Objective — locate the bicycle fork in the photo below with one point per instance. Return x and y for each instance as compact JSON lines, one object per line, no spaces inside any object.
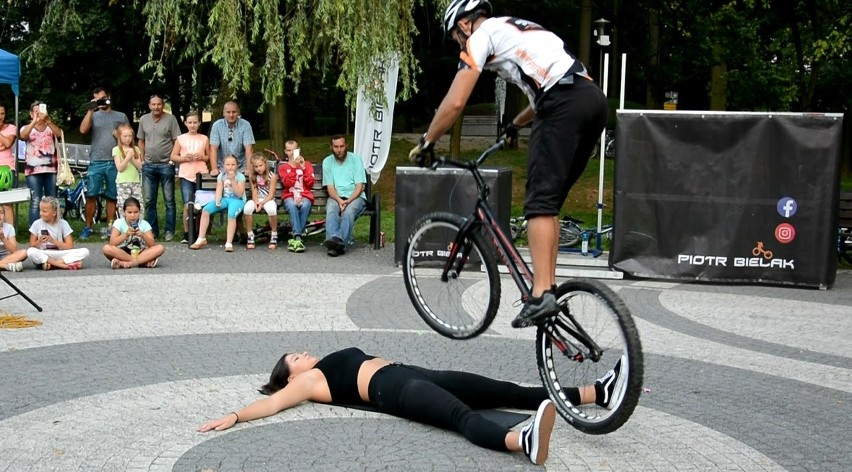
{"x":571,"y":348}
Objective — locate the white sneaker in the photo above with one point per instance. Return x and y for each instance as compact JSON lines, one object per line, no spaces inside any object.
{"x":535,"y":438}
{"x":15,"y":267}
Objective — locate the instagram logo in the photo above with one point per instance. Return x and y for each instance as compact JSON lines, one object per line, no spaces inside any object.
{"x":785,"y":232}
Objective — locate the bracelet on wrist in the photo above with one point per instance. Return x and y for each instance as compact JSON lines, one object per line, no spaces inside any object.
{"x":238,"y":416}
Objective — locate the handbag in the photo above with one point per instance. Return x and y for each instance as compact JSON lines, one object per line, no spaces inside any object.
{"x":64,"y":175}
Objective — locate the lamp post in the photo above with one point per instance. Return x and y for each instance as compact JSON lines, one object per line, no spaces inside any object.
{"x":601,"y":26}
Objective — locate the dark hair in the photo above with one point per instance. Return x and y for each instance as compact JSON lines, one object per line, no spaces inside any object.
{"x":98,"y":90}
{"x":338,"y":136}
{"x":278,"y":379}
{"x":131,"y":201}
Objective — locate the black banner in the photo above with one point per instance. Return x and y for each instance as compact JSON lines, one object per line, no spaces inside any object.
{"x":727,"y":197}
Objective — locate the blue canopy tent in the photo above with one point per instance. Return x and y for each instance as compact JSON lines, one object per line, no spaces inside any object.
{"x":10,"y":73}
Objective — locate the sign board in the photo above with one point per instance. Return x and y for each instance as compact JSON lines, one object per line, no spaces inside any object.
{"x":722,"y":196}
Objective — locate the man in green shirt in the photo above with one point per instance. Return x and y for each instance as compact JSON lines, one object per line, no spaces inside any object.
{"x":344,"y":177}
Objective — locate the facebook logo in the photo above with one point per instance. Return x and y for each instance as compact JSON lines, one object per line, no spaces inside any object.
{"x":787,"y":207}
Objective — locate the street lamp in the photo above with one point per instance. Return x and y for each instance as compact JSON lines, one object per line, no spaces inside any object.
{"x":601,"y":26}
{"x":600,"y":32}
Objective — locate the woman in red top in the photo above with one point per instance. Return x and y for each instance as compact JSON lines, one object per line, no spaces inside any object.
{"x":297,"y":178}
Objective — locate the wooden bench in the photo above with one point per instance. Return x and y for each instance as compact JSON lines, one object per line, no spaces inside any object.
{"x":844,"y":227}
{"x":373,"y":209}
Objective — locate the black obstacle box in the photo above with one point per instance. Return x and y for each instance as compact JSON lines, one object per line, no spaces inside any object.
{"x":421,"y":191}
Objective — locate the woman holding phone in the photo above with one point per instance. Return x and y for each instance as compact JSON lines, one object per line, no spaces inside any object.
{"x":8,"y":136}
{"x":51,"y":245}
{"x":41,"y":156}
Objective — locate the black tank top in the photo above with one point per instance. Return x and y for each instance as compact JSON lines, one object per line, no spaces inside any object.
{"x":341,"y":372}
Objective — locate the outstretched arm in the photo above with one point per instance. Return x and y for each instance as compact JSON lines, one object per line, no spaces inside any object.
{"x":299,"y":390}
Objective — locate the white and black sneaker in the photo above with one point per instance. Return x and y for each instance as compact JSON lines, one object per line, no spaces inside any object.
{"x":606,"y":386}
{"x":535,"y":437}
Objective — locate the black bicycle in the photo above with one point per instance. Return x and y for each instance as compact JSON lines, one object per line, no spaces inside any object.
{"x":451,"y":275}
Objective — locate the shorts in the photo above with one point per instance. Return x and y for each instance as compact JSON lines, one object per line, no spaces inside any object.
{"x":568,"y":123}
{"x":101,"y":172}
{"x":187,"y":191}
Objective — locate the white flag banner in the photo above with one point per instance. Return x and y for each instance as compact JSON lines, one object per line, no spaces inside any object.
{"x":374,"y":124}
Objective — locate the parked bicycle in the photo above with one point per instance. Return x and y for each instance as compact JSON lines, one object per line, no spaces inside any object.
{"x":451,"y":275}
{"x":570,"y":231}
{"x":73,"y":201}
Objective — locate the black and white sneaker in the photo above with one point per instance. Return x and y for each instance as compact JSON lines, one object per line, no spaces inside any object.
{"x":606,"y":386}
{"x":536,"y":309}
{"x":535,"y":437}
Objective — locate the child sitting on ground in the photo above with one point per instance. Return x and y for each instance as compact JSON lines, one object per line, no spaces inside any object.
{"x":263,"y":184}
{"x":132,"y":243}
{"x":51,"y":244}
{"x":11,"y":258}
{"x":230,"y":196}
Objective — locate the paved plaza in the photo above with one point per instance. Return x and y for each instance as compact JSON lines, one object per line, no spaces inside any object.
{"x":128,"y":363}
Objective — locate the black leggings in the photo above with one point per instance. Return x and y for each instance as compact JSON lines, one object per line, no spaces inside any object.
{"x":447,"y":399}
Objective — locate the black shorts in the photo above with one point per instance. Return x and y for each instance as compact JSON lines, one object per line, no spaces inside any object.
{"x":568,"y":122}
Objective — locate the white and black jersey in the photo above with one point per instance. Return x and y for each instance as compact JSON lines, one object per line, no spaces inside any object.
{"x":520,"y":52}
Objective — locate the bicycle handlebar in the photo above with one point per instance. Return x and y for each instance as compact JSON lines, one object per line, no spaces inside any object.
{"x":440,"y":160}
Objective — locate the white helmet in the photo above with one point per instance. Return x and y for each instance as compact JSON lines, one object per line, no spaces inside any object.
{"x":457,"y":9}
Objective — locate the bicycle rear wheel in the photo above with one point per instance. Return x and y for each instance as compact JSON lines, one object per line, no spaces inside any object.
{"x":462,"y":305}
{"x":590,"y":311}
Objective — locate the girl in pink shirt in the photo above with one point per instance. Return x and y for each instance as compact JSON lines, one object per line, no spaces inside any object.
{"x":192,"y":157}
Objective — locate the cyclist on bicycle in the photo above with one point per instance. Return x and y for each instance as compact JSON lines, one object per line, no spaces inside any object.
{"x":567,"y":110}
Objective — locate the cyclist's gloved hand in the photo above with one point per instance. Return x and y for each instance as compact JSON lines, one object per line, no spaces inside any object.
{"x":423,"y":154}
{"x":510,"y":134}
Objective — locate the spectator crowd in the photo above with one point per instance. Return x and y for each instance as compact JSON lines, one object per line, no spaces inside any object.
{"x":131,"y":170}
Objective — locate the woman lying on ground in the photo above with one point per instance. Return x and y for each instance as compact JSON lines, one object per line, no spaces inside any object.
{"x":446,"y":399}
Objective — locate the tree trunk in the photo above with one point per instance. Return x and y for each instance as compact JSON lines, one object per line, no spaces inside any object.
{"x":455,"y":138}
{"x":719,"y":84}
{"x":278,"y":131}
{"x":515,"y":102}
{"x":585,"y":40}
{"x":651,"y":100}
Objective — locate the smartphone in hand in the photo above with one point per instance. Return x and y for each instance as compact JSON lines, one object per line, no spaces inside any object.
{"x":42,"y":108}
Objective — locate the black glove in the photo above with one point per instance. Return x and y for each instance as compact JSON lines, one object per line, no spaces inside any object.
{"x":510,"y":134}
{"x":423,"y":154}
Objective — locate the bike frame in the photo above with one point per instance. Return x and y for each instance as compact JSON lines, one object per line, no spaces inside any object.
{"x":483,"y":218}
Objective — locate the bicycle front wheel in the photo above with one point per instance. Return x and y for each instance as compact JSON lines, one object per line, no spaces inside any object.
{"x":569,"y":234}
{"x":461,"y":303}
{"x":592,"y":335}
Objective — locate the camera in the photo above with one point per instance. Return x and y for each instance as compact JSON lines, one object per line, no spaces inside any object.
{"x":44,"y":232}
{"x":97,"y":103}
{"x":134,"y":225}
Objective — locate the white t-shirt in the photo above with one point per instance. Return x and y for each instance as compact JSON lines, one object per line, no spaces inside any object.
{"x":9,"y":231}
{"x":520,"y":52}
{"x":59,"y":230}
